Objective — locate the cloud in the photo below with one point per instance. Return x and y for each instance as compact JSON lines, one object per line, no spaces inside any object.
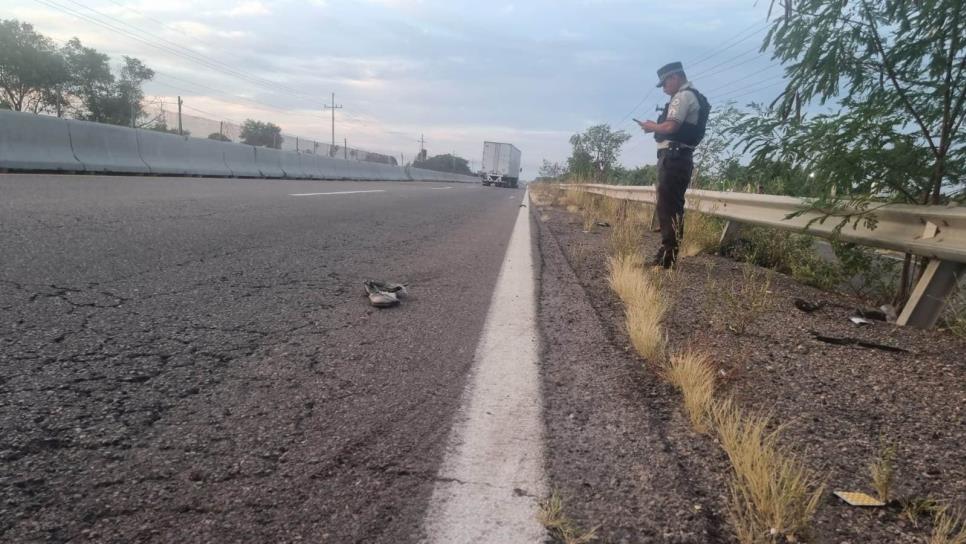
{"x":459,"y":71}
{"x":201,"y":30}
{"x":248,"y":9}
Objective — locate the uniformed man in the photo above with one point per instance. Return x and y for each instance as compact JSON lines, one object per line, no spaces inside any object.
{"x":678,"y":131}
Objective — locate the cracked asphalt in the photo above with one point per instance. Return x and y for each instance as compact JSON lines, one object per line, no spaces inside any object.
{"x":192,"y":360}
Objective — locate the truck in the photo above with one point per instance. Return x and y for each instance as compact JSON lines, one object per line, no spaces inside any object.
{"x":501,"y":165}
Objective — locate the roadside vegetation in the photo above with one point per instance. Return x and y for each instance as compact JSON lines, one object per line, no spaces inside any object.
{"x":773,"y":495}
{"x":897,"y":76}
{"x":561,"y":528}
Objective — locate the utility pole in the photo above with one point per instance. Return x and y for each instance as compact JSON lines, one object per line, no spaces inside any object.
{"x":422,"y":147}
{"x":180,"y":102}
{"x":345,"y":148}
{"x":332,"y":107}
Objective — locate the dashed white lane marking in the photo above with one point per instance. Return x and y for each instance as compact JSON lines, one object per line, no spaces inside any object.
{"x":440,"y":188}
{"x":340,"y":193}
{"x":492,"y":478}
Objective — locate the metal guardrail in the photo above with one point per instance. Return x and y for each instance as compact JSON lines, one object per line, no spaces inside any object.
{"x":935,"y":232}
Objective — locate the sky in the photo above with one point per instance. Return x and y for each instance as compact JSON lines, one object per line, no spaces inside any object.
{"x":531,"y":73}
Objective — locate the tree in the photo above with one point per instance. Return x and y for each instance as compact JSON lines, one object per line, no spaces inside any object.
{"x":162,"y":126}
{"x":31,"y":68}
{"x":261,"y":134}
{"x":219,"y":136}
{"x":642,"y":175}
{"x":551,"y":170}
{"x":90,"y":78}
{"x":446,"y":163}
{"x":897,"y":70}
{"x":596,"y":150}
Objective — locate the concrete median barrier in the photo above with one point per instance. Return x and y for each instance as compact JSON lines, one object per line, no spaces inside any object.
{"x":165,"y":154}
{"x":389,"y":172}
{"x":292,"y":165}
{"x":207,"y":158}
{"x":331,"y":168}
{"x":240,"y":159}
{"x":106,"y":148}
{"x":311,"y":165}
{"x":36,"y":142}
{"x":269,"y":162}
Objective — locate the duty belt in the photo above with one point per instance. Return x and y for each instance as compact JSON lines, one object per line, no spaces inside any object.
{"x":675,"y":149}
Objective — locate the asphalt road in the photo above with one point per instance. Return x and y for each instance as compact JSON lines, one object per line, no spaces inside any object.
{"x":192,"y":360}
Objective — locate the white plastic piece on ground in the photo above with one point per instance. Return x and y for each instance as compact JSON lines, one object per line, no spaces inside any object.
{"x":106,"y":148}
{"x":489,"y":486}
{"x":35,"y":142}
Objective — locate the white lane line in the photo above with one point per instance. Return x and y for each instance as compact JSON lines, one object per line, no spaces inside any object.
{"x":341,"y":193}
{"x":491,"y":479}
{"x":440,"y":188}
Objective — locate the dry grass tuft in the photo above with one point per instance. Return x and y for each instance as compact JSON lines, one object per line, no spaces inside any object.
{"x":883,"y":471}
{"x":545,"y":194}
{"x":625,"y":238}
{"x":647,"y":335}
{"x":645,"y":305}
{"x":691,"y":372}
{"x":773,"y":495}
{"x":579,"y":252}
{"x":915,"y":508}
{"x":702,"y":233}
{"x":948,"y":528}
{"x":741,"y":303}
{"x":561,"y":528}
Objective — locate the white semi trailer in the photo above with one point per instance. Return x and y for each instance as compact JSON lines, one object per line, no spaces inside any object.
{"x":501,"y":164}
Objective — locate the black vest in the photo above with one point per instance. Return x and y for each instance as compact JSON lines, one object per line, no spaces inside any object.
{"x":688,"y":133}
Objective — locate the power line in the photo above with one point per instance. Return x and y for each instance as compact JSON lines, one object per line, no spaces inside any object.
{"x":222,"y":93}
{"x":191,"y":56}
{"x":698,"y":62}
{"x":753,"y":91}
{"x":722,"y":48}
{"x":757,"y":84}
{"x":200,"y":57}
{"x":728,"y":64}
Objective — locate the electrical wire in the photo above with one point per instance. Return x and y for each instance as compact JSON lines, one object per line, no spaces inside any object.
{"x":191,"y":56}
{"x":722,"y":48}
{"x":732,"y":41}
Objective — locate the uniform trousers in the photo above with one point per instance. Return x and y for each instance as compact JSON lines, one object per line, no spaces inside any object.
{"x":673,"y":177}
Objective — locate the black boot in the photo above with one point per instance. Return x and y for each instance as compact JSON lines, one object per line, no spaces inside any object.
{"x":665,"y":258}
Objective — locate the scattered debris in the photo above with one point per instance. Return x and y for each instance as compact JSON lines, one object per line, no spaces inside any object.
{"x":603,"y":224}
{"x":856,"y":498}
{"x":383,"y":294}
{"x":860,"y":320}
{"x":878,"y":314}
{"x":808,"y":307}
{"x":849,"y":341}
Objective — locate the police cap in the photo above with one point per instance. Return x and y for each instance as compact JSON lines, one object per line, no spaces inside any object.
{"x":667,"y":70}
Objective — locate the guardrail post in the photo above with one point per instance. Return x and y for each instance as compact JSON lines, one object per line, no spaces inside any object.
{"x":732,"y":230}
{"x":928,"y":299}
